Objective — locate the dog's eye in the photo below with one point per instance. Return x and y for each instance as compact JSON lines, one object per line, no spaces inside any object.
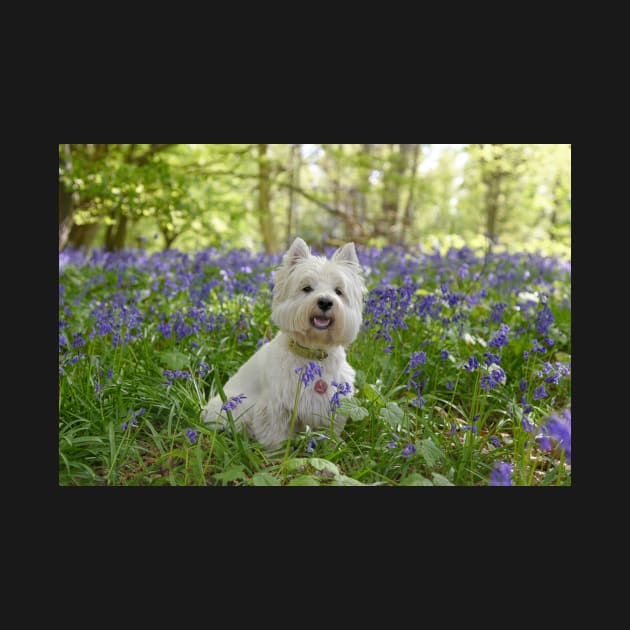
{"x":307,"y":289}
{"x":338,"y":291}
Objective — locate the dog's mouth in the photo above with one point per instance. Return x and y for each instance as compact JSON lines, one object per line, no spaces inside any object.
{"x":321,"y":323}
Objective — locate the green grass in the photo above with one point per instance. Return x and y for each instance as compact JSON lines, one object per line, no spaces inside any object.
{"x":122,"y":423}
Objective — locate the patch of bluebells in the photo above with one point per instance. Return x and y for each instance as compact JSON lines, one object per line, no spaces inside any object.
{"x":408,"y":450}
{"x":472,"y":363}
{"x":232,"y":403}
{"x":493,"y":380}
{"x":308,"y":372}
{"x":540,"y":393}
{"x":312,"y":443}
{"x":500,"y":339}
{"x":556,"y":429}
{"x":501,"y":474}
{"x":553,"y":374}
{"x":172,"y":375}
{"x":133,"y":419}
{"x":343,"y":389}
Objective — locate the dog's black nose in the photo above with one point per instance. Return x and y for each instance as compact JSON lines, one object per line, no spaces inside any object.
{"x":324,"y":304}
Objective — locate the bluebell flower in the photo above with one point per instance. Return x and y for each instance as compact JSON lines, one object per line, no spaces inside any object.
{"x":501,"y":474}
{"x":408,"y":450}
{"x":500,"y":337}
{"x":540,"y":392}
{"x":557,"y":429}
{"x":472,"y":364}
{"x":444,"y":355}
{"x":233,"y":402}
{"x":343,"y":389}
{"x":308,"y":372}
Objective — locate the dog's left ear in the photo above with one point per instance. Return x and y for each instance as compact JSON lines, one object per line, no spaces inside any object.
{"x":298,"y":251}
{"x":347,"y":254}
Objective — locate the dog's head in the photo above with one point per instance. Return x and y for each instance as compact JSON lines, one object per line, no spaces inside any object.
{"x":319,"y":301}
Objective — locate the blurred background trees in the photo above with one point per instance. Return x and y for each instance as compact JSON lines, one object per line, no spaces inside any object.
{"x":260,"y":196}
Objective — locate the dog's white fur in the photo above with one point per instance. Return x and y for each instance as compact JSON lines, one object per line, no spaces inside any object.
{"x":326,"y":317}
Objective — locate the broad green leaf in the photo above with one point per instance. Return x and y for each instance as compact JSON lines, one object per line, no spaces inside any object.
{"x":371,"y":394}
{"x":264,"y":479}
{"x":392,"y":414}
{"x":323,"y":465}
{"x":343,"y":480}
{"x":415,"y":479}
{"x":231,"y":473}
{"x":173,"y":359}
{"x":304,"y":480}
{"x":430,"y":452}
{"x":351,"y":407}
{"x":441,"y":480}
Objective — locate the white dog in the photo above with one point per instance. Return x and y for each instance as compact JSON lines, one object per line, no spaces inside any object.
{"x":317,"y":305}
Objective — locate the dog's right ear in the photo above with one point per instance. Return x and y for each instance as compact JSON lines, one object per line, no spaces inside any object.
{"x":299,"y":250}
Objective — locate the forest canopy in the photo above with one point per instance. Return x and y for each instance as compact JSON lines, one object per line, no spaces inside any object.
{"x":260,"y":196}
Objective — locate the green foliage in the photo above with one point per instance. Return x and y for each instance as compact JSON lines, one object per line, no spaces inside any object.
{"x":200,"y":195}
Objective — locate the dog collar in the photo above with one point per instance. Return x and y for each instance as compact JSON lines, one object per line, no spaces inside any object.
{"x":307,"y":353}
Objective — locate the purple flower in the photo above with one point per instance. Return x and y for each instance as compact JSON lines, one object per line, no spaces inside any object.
{"x":501,"y":474}
{"x":343,"y":389}
{"x":540,"y":392}
{"x":416,"y":359}
{"x":522,"y":384}
{"x":494,"y":440}
{"x":191,"y":434}
{"x":500,"y":338}
{"x":233,"y":402}
{"x":492,"y":380}
{"x":409,"y":449}
{"x":312,"y":443}
{"x":472,"y":364}
{"x":308,"y":372}
{"x":392,"y":444}
{"x":527,"y":424}
{"x":557,"y":428}
{"x":444,"y":355}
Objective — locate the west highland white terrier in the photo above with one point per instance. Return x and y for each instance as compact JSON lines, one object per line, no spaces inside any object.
{"x":317,"y":305}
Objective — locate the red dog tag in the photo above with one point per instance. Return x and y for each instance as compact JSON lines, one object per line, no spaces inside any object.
{"x":320,"y":386}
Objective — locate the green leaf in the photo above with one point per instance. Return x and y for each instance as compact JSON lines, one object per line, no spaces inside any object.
{"x":343,"y":480}
{"x":265,"y":479}
{"x":416,"y":479}
{"x":441,"y":480}
{"x":304,"y":480}
{"x":231,"y":473}
{"x":351,"y":407}
{"x":392,"y":414}
{"x":371,"y":394}
{"x":173,"y":359}
{"x":430,"y":452}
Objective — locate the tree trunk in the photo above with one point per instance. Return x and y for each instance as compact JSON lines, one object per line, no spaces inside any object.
{"x":492,"y":174}
{"x":295,"y":164}
{"x":389,"y":224}
{"x":264,"y":200}
{"x":407,"y":231}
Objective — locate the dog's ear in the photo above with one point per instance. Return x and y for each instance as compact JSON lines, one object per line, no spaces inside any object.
{"x":298,"y":251}
{"x":347,"y":254}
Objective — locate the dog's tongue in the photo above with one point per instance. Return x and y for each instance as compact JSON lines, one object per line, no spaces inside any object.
{"x":321,"y":322}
